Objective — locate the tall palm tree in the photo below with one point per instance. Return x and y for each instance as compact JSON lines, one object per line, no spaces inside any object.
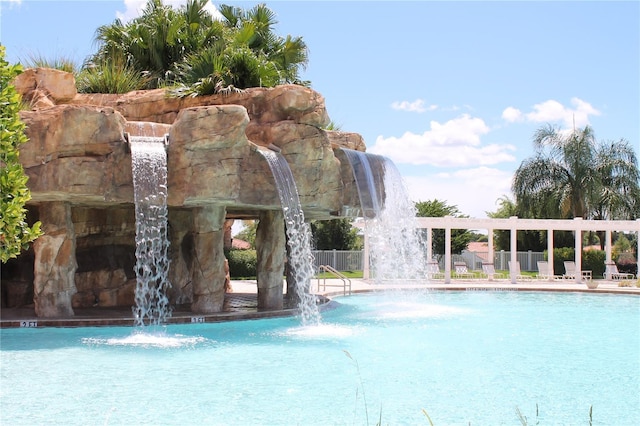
{"x":571,"y":175}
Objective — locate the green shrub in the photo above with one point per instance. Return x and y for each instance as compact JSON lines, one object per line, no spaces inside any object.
{"x":559,"y":256}
{"x":61,"y":63}
{"x":242,"y":263}
{"x":110,"y":77}
{"x":15,"y":232}
{"x":593,"y":260}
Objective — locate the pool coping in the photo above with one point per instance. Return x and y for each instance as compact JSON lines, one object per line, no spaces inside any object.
{"x":242,"y":303}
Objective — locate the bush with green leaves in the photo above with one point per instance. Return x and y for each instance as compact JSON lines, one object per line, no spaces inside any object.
{"x":593,"y":260}
{"x":15,"y":232}
{"x":110,"y":76}
{"x":242,"y":263}
{"x":190,"y":49}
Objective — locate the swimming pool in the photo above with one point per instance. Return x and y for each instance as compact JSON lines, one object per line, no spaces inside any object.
{"x":464,"y":357}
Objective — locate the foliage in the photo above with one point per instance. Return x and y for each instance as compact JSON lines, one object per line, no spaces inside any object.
{"x":459,"y":237}
{"x":627,"y":263}
{"x":621,"y":245}
{"x":110,"y":76}
{"x":248,"y":233}
{"x":61,"y":63}
{"x":559,"y":256}
{"x":527,"y":240}
{"x":571,"y":175}
{"x":593,"y":260}
{"x":15,"y":233}
{"x":188,"y":48}
{"x":242,"y":263}
{"x":336,"y":234}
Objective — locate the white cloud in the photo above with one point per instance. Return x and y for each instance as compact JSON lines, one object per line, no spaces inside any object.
{"x":415,"y":106}
{"x":455,"y":143}
{"x":475,"y":191}
{"x":552,"y":111}
{"x":134,"y":8}
{"x":512,"y":114}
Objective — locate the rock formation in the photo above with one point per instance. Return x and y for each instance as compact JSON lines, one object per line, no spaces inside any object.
{"x":79,"y":168}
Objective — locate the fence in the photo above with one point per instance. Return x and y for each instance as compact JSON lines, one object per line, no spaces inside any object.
{"x":528,"y":259}
{"x":346,"y":260}
{"x":340,"y":260}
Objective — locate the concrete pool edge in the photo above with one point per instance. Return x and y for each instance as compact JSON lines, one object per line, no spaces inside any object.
{"x":241,"y":304}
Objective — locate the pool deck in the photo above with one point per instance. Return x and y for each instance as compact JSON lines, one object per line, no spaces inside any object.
{"x":241,"y":304}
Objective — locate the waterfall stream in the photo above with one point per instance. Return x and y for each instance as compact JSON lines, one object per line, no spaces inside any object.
{"x":298,"y":236}
{"x":397,"y":250}
{"x":149,"y":166}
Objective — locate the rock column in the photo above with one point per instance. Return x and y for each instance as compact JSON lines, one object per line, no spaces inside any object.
{"x":208,"y":260}
{"x":270,"y":247}
{"x":55,"y":262}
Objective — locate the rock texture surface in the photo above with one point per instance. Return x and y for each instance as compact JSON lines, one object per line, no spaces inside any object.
{"x":79,"y":167}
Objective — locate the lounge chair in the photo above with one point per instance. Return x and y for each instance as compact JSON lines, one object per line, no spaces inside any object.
{"x":461,"y":270}
{"x":514,"y":268}
{"x":611,"y":270}
{"x":570,"y":271}
{"x":489,"y":270}
{"x":544,"y":271}
{"x":433,"y":271}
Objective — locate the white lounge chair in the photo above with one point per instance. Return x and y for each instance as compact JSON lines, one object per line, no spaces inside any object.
{"x":611,"y":270}
{"x":544,"y":271}
{"x":514,"y":268}
{"x":461,"y":270}
{"x":570,"y":271}
{"x":489,"y":270}
{"x":433,"y":271}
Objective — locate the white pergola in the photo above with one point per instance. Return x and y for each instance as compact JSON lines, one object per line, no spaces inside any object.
{"x":515,"y":224}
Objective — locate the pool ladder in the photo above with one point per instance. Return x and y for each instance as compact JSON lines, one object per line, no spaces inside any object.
{"x":346,"y":282}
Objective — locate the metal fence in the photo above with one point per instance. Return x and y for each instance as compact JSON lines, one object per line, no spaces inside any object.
{"x":340,"y":260}
{"x":352,"y":260}
{"x":528,"y":259}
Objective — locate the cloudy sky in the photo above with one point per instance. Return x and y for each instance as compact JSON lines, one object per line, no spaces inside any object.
{"x":452,"y":92}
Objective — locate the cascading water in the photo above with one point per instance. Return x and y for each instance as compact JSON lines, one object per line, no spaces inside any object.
{"x":369,"y":184}
{"x":397,"y":250}
{"x":298,"y":236}
{"x":149,"y":165}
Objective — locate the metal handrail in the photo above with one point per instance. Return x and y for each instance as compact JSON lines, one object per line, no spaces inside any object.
{"x":345,"y":281}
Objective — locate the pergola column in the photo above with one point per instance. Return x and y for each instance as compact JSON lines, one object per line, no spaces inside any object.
{"x":514,"y":251}
{"x":578,"y":251}
{"x":550,"y":253}
{"x":447,"y":254}
{"x":607,"y":249}
{"x":490,"y":255}
{"x":429,"y":244}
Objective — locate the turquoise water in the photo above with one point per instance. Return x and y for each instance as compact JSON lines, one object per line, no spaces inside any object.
{"x":464,"y":357}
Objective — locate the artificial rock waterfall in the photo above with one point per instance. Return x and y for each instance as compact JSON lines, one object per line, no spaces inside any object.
{"x":79,"y":165}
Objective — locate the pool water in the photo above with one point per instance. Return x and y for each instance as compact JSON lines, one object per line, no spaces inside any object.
{"x":463,"y":357}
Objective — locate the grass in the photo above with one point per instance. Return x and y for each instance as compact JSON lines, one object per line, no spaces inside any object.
{"x":348,"y":274}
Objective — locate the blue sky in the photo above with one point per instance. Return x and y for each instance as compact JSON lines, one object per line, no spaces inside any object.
{"x":450,"y":91}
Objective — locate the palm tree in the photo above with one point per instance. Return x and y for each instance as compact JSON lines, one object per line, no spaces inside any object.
{"x":571,"y":175}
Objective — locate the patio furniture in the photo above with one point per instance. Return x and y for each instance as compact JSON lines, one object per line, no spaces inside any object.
{"x":611,"y":270}
{"x":433,"y":271}
{"x":514,"y":268}
{"x":489,"y":270}
{"x":461,"y":270}
{"x":544,"y":271}
{"x":570,"y":271}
